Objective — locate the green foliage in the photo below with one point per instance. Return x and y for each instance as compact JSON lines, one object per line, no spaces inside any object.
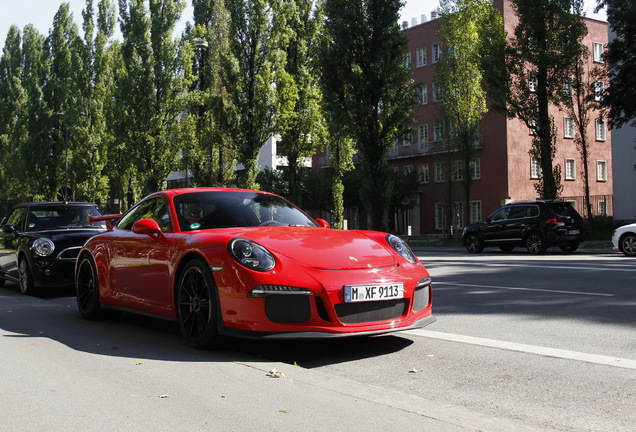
{"x":467,"y":27}
{"x":620,"y":96}
{"x":299,"y":121}
{"x":250,"y":67}
{"x":366,"y":87}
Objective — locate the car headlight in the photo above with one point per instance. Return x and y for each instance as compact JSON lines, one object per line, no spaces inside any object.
{"x":401,"y":247}
{"x":43,"y":247}
{"x":251,"y":255}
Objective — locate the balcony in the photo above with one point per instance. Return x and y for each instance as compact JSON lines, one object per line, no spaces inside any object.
{"x":427,"y":148}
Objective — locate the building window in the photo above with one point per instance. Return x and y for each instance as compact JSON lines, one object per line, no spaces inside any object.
{"x":474,"y":215}
{"x":458,"y":215}
{"x":598,"y":52}
{"x":598,"y":90}
{"x":438,"y":94}
{"x":532,"y":127}
{"x":438,"y":130}
{"x":420,"y":55}
{"x":407,"y":139}
{"x":567,"y":87}
{"x":437,"y":52}
{"x":535,"y":168}
{"x":408,"y":169}
{"x":425,"y":176}
{"x":602,"y":208}
{"x":457,"y":171}
{"x":406,"y":61}
{"x":422,"y":135}
{"x":422,"y":94}
{"x":475,"y":169}
{"x":570,"y":172}
{"x":568,"y":127}
{"x":440,"y":172}
{"x":601,"y":129}
{"x":601,"y":170}
{"x":439,"y":216}
{"x":533,"y":81}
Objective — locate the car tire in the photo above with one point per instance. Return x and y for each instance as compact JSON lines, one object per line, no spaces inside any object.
{"x":196,"y":304}
{"x":25,"y":278}
{"x":627,"y":244}
{"x":569,"y":247}
{"x":506,"y":248}
{"x":473,"y":243}
{"x":87,"y":290}
{"x":535,"y":244}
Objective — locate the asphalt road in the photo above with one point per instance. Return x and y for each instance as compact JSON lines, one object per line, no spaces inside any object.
{"x":521,"y":343}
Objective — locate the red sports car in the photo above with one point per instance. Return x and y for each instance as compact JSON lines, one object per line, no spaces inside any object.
{"x":249,"y":264}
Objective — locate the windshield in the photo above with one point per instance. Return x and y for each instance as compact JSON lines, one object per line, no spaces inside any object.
{"x":62,"y":217}
{"x":204,"y":210}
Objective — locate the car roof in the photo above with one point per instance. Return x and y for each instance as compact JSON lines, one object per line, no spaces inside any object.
{"x":53,"y":203}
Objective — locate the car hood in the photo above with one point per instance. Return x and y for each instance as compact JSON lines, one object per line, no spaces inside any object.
{"x":78,"y":236}
{"x":326,"y":248}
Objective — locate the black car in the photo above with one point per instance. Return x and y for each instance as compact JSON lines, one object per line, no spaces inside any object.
{"x":39,"y":243}
{"x":536,"y":225}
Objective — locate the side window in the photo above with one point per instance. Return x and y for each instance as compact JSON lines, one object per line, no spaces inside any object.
{"x":154,"y":208}
{"x":17,"y":218}
{"x":501,"y":214}
{"x":520,"y":212}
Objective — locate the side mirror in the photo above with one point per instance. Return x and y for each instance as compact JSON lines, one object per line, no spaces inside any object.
{"x":148,"y":227}
{"x":8,"y":228}
{"x":323,"y":223}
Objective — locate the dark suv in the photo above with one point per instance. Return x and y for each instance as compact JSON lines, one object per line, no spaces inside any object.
{"x":533,"y":224}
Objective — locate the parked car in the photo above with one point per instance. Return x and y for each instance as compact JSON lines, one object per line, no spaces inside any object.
{"x":39,"y":243}
{"x":250,"y":264}
{"x":624,"y":239}
{"x":536,"y":225}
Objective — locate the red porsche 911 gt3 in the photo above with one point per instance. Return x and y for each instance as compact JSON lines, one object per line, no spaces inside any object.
{"x":249,"y":264}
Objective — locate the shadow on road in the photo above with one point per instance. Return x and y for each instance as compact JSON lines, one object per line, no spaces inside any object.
{"x":55,"y":317}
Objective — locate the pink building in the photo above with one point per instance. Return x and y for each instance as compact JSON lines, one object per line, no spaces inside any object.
{"x":503,"y":170}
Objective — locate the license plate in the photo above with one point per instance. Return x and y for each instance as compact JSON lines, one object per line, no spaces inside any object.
{"x":574,"y":232}
{"x":359,"y":293}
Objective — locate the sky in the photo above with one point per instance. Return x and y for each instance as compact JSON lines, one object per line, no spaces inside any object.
{"x":40,"y":13}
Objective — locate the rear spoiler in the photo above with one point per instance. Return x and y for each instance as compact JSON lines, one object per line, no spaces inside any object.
{"x":111,"y":219}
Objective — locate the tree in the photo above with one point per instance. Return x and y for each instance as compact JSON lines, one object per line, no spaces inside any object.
{"x":13,"y":109}
{"x":300,"y":121}
{"x":148,"y":95}
{"x":366,"y":88}
{"x":94,"y":84}
{"x":620,"y":96}
{"x":466,"y":27}
{"x":55,"y":111}
{"x":214,"y":154}
{"x":250,"y":66}
{"x":579,"y":100}
{"x":538,"y":58}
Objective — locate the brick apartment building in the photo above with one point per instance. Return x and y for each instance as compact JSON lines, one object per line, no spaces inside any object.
{"x":503,"y":169}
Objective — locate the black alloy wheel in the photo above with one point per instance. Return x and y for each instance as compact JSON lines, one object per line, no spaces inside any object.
{"x":196,"y":305}
{"x":474,"y":244}
{"x":25,"y":278}
{"x":87,"y":289}
{"x":535,"y":243}
{"x":627,"y":244}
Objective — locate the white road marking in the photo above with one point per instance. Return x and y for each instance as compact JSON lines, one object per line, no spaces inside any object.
{"x":531,"y":349}
{"x":526,"y":289}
